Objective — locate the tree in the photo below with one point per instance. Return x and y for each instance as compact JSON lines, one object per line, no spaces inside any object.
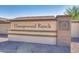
{"x":73,"y":12}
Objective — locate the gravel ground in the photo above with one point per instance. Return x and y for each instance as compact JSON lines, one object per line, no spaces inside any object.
{"x":22,"y":47}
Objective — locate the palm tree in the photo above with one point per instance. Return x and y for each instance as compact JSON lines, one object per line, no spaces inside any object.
{"x":73,"y":12}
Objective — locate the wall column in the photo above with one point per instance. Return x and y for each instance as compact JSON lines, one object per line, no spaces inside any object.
{"x":63,"y":31}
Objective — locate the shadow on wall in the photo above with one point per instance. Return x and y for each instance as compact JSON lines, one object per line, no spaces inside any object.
{"x":4,"y":35}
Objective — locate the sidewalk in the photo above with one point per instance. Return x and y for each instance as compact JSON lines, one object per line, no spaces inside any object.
{"x":3,"y":39}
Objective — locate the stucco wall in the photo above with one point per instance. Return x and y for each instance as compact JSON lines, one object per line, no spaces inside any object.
{"x":4,"y":28}
{"x":75,"y":29}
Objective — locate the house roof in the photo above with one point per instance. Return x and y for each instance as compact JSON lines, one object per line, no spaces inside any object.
{"x":3,"y":20}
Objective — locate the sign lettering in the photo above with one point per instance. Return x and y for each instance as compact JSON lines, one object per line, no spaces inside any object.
{"x":33,"y":26}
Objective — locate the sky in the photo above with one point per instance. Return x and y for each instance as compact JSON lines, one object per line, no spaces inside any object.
{"x":12,"y":11}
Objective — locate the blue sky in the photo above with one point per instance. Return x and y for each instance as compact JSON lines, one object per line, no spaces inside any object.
{"x":12,"y":11}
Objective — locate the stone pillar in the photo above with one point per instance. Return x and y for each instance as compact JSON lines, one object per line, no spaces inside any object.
{"x":63,"y":31}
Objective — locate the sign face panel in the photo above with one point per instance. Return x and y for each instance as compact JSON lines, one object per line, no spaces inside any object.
{"x":37,"y":25}
{"x":33,"y":31}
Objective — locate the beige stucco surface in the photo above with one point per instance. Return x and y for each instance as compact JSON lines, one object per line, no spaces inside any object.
{"x":75,"y":29}
{"x":33,"y":33}
{"x":4,"y":28}
{"x":33,"y":39}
